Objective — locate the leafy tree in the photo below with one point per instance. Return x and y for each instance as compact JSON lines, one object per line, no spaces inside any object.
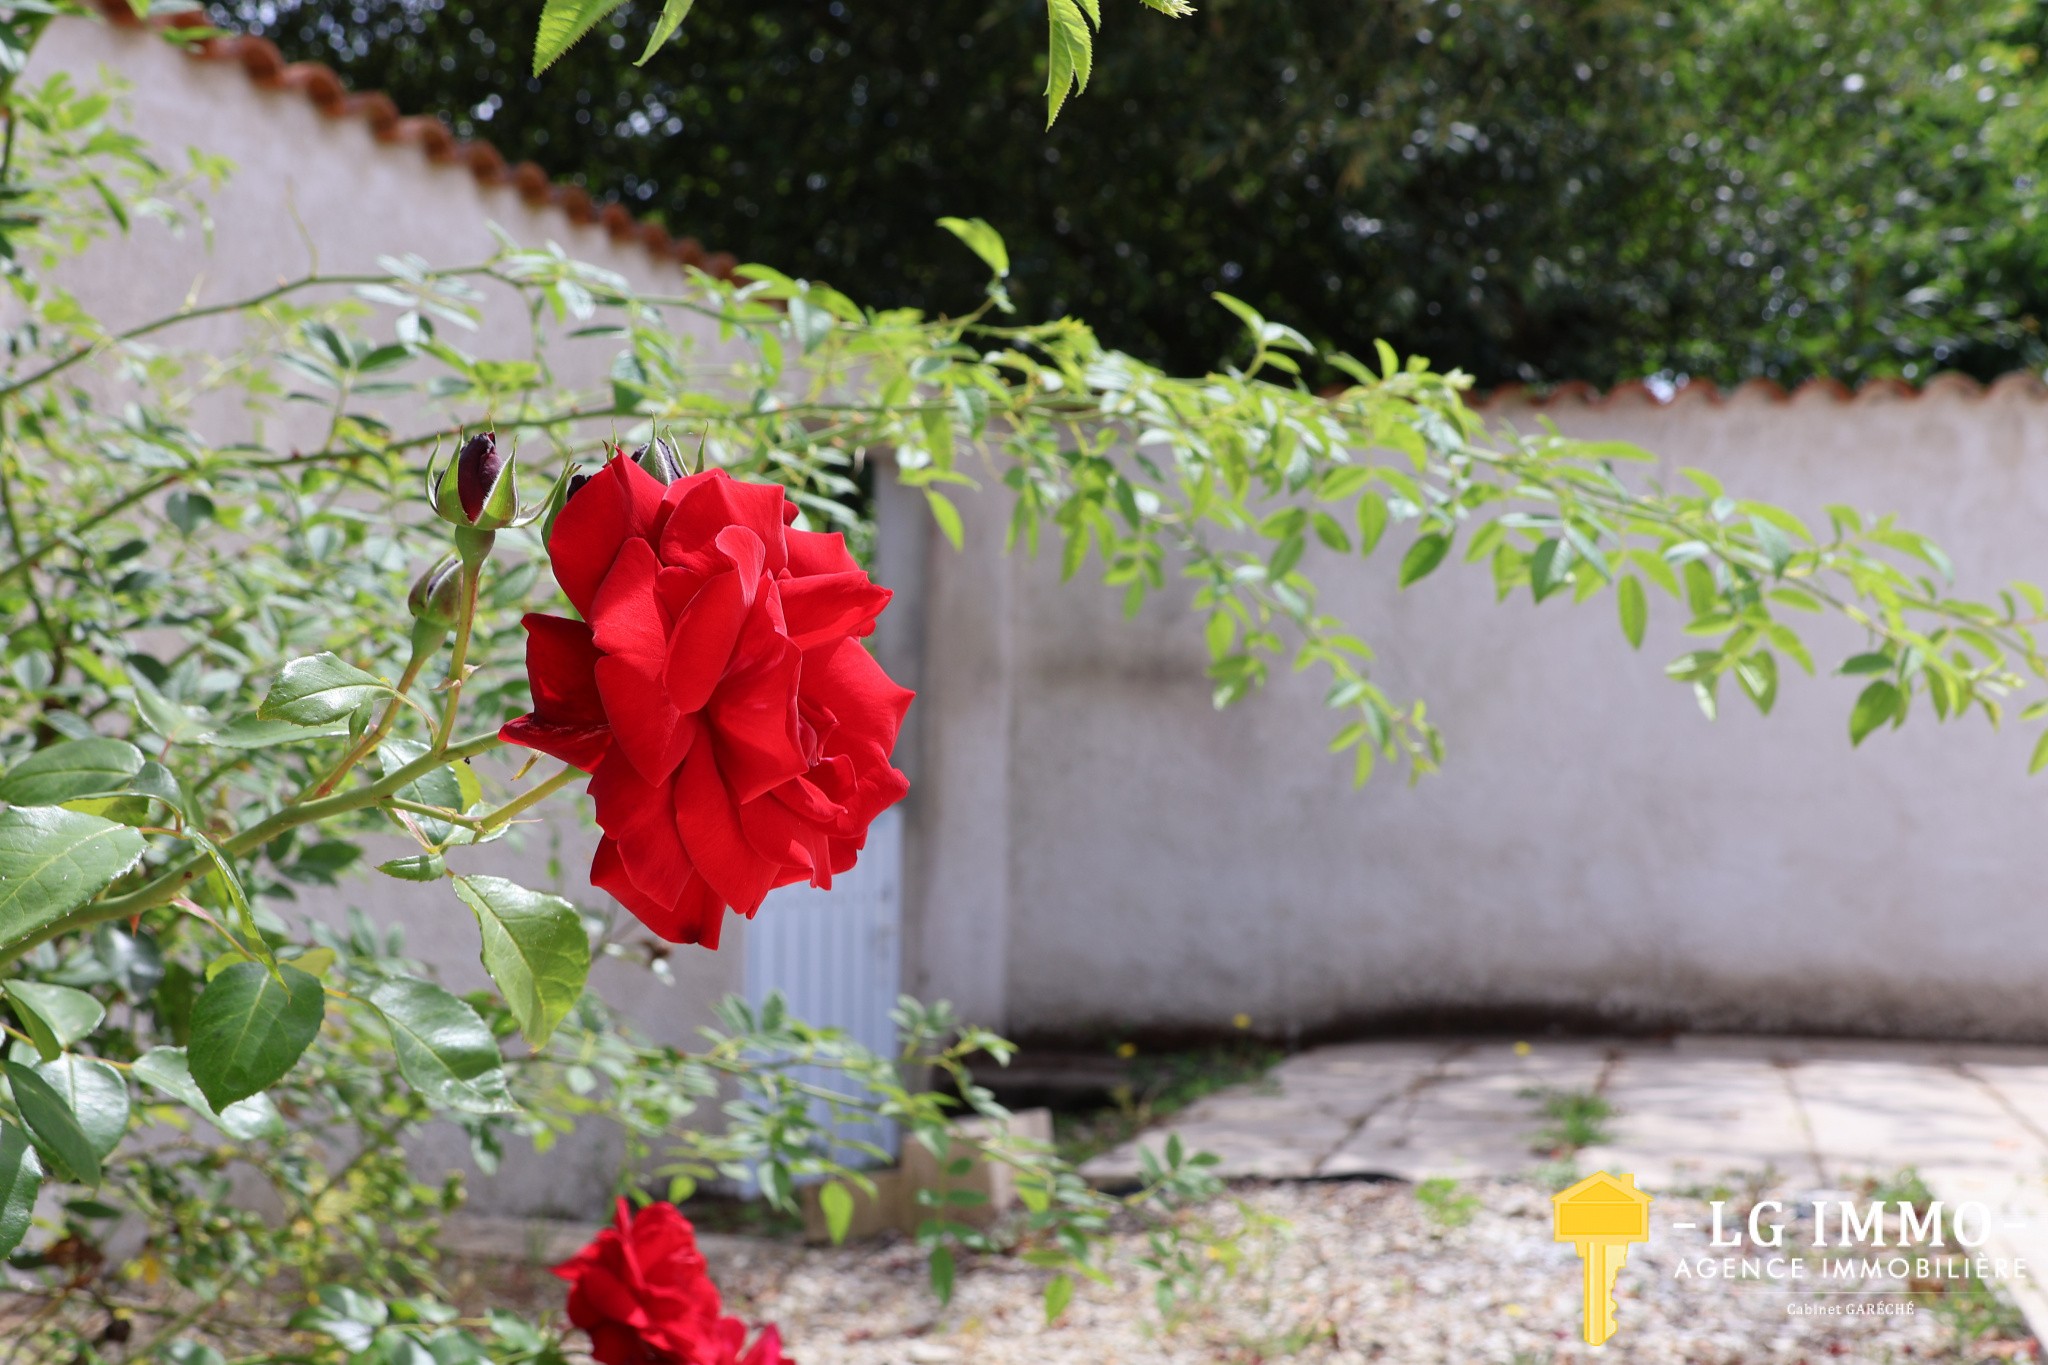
{"x":1530,"y":190}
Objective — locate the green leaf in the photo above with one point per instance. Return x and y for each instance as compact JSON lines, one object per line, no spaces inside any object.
{"x":1071,"y":55}
{"x":1059,"y":1292}
{"x":317,"y":690}
{"x":350,"y":1318}
{"x":1867,"y":663}
{"x":96,"y":1095}
{"x":1253,"y":320}
{"x":55,"y":1128}
{"x":67,"y":771}
{"x":562,"y":22}
{"x":947,"y":516}
{"x":55,"y":1016}
{"x":942,"y":1274}
{"x":167,"y":1069}
{"x":1758,"y":675}
{"x":1878,"y":704}
{"x":249,"y":1028}
{"x":52,"y":861}
{"x":838,"y":1207}
{"x":673,"y":12}
{"x":534,"y":947}
{"x":1286,"y":555}
{"x":254,"y":732}
{"x":1775,"y":544}
{"x":425,"y":867}
{"x":1549,"y":568}
{"x":173,"y":720}
{"x":444,"y":1050}
{"x":21,"y":1176}
{"x":1635,"y":609}
{"x":1372,"y":521}
{"x":983,"y":240}
{"x":1423,"y":556}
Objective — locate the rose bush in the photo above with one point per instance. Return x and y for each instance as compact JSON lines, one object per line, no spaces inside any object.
{"x":643,"y":1293}
{"x":736,"y":731}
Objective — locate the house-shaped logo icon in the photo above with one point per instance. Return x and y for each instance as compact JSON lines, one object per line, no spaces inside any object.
{"x":1602,"y":1215}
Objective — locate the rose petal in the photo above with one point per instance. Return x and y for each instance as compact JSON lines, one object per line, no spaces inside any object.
{"x":817,"y":552}
{"x":628,"y":624}
{"x":797,"y":845}
{"x":826,"y":607}
{"x":866,"y":702}
{"x":560,"y":659}
{"x":767,"y":1348}
{"x":615,"y":507}
{"x":700,"y":647}
{"x":691,"y":914}
{"x":710,"y":503}
{"x":584,"y":746}
{"x":710,"y":829}
{"x":752,"y":717}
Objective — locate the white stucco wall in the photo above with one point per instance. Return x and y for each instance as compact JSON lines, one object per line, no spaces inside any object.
{"x":311,"y":188}
{"x":1096,"y":850}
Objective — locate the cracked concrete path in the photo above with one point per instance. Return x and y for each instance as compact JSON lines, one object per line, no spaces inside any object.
{"x":1808,"y":1116}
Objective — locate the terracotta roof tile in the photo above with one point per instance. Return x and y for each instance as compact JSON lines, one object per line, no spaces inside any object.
{"x":327,"y":92}
{"x":1820,"y":388}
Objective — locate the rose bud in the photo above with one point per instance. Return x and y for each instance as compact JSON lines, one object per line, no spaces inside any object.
{"x":436,"y":594}
{"x":477,"y":488}
{"x":660,"y":459}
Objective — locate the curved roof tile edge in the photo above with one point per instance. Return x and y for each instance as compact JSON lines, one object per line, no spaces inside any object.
{"x":1819,"y":388}
{"x":321,"y":86}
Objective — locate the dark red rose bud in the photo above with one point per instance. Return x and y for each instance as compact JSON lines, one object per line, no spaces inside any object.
{"x":477,"y":490}
{"x":477,"y":469}
{"x":660,"y":459}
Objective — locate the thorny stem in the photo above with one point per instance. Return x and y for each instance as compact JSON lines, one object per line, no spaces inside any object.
{"x":434,"y":812}
{"x":570,"y":772}
{"x":458,"y":662}
{"x":376,"y":734}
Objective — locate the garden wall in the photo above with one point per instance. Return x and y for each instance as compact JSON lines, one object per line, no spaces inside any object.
{"x":1095,"y":851}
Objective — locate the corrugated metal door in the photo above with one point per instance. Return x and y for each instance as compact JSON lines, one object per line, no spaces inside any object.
{"x":837,"y":955}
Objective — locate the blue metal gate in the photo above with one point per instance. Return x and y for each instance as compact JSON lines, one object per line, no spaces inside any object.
{"x":837,"y":955}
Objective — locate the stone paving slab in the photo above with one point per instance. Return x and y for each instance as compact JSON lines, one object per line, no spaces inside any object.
{"x":1477,"y":1112}
{"x":1812,"y":1112}
{"x":1808,"y":1117}
{"x":1351,"y":1082}
{"x":2022,"y":1090}
{"x":2018,"y":1231}
{"x":1685,"y":1118}
{"x":1873,"y":1118}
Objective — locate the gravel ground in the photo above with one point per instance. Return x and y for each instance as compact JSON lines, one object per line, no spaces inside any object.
{"x":1359,"y":1272}
{"x":1325,"y":1272}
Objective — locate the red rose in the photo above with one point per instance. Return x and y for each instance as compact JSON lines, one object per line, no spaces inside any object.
{"x":641,"y":1291}
{"x":737,"y":733}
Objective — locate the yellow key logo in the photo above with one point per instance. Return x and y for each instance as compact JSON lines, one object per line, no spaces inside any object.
{"x":1602,"y":1216}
